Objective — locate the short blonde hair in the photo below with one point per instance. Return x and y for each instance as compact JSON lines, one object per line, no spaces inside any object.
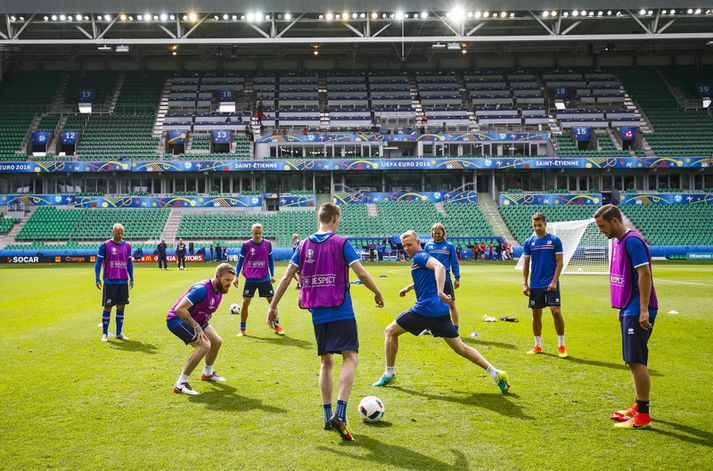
{"x":409,"y":233}
{"x":257,"y":224}
{"x":224,"y":268}
{"x":116,"y":226}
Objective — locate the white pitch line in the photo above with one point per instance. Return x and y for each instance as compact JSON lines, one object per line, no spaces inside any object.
{"x":682,"y":282}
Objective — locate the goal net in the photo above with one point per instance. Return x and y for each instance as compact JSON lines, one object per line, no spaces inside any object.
{"x":586,"y":250}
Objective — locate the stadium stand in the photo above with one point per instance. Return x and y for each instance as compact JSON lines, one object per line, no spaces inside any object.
{"x":683,"y":224}
{"x":517,"y":217}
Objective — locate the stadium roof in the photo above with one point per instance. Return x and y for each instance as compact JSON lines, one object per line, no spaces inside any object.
{"x":301,"y":27}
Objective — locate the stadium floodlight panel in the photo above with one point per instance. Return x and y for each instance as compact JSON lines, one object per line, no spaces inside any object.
{"x":399,"y":15}
{"x":706,"y":102}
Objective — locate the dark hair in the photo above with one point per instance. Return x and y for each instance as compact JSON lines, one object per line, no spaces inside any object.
{"x":327,"y":212}
{"x":539,"y":217}
{"x":609,"y":212}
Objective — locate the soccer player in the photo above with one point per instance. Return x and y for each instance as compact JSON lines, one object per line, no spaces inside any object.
{"x":258,"y":267}
{"x":162,"y":260}
{"x":115,"y":256}
{"x":188,"y":320}
{"x":545,"y":252}
{"x":444,"y":252}
{"x":430,"y":312}
{"x":323,"y":260}
{"x":181,"y":254}
{"x":632,"y":292}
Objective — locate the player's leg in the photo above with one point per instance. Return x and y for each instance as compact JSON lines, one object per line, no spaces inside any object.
{"x":120,"y":321}
{"x":559,"y":328}
{"x":244,"y":312}
{"x":500,"y":377}
{"x":450,"y":291}
{"x":350,"y":360}
{"x":200,"y":350}
{"x":326,"y":386}
{"x":636,"y":354}
{"x":278,"y":329}
{"x":536,"y":306}
{"x":391,"y":348}
{"x":106,"y":319}
{"x":215,"y":343}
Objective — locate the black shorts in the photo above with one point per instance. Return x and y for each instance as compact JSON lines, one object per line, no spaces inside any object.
{"x":416,"y":323}
{"x":263,"y":287}
{"x":635,"y":340}
{"x":337,"y":336}
{"x":182,"y":330}
{"x":115,"y":293}
{"x":540,"y":297}
{"x":448,"y":289}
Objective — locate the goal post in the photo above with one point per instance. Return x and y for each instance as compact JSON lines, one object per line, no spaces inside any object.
{"x":586,"y":250}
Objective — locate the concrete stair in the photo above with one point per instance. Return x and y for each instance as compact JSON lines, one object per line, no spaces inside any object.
{"x":372,"y":210}
{"x":441,"y":209}
{"x":489,"y":207}
{"x":9,"y":238}
{"x":171,"y":228}
{"x":117,"y":91}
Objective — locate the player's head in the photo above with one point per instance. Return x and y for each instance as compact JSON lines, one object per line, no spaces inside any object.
{"x":539,"y":224}
{"x":256,"y":231}
{"x":409,"y":240}
{"x":329,"y":214}
{"x":224,"y":276}
{"x":438,"y":232}
{"x":180,"y":241}
{"x":610,"y":221}
{"x":295,"y":238}
{"x":117,"y":231}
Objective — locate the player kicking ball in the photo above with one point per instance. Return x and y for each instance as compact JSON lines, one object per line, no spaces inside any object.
{"x":258,"y":267}
{"x":544,"y":251}
{"x":431,"y":312}
{"x":188,"y":320}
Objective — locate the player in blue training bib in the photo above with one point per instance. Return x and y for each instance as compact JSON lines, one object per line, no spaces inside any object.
{"x":431,"y":312}
{"x":443,"y":251}
{"x":544,"y":262}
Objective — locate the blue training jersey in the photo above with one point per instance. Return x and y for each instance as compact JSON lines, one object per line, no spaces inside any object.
{"x":424,"y":282}
{"x":445,"y":253}
{"x":636,"y":251}
{"x":543,"y":262}
{"x":322,"y":315}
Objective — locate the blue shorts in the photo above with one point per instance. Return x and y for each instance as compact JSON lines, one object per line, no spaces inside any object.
{"x":114,"y":294}
{"x":448,"y":289}
{"x":337,"y":336}
{"x":182,"y":330}
{"x":416,"y":323}
{"x":264,"y":288}
{"x":635,"y":340}
{"x":540,"y":297}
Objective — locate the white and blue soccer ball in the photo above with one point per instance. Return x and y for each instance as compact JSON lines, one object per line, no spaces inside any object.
{"x":234,"y":309}
{"x":371,"y":409}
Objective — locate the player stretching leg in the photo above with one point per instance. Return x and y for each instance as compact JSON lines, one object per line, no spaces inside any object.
{"x":258,"y":267}
{"x":633,"y":293}
{"x":430,"y":312}
{"x":445,"y":252}
{"x":115,"y":256}
{"x":323,"y":260}
{"x":544,"y":251}
{"x":188,"y":320}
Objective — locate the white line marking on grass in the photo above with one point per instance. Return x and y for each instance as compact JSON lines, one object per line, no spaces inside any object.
{"x":683,"y":282}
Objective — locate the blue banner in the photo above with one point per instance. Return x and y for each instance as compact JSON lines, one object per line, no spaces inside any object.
{"x":582,"y":134}
{"x":221,"y":136}
{"x":378,"y":197}
{"x":287,"y":200}
{"x":667,"y":198}
{"x":177,"y":137}
{"x":41,"y":138}
{"x":69,"y":138}
{"x":627,"y":134}
{"x":227,"y":96}
{"x":318,"y":165}
{"x":86,"y":96}
{"x":415,"y":137}
{"x":517,"y":199}
{"x":37,"y":200}
{"x":134,"y":201}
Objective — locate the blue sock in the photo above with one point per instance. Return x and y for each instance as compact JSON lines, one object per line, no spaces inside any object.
{"x":327,"y":412}
{"x":342,"y":410}
{"x":119,"y":320}
{"x":106,"y":317}
{"x":242,"y":325}
{"x":277,"y":322}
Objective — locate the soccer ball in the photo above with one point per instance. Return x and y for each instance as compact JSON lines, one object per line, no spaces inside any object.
{"x":371,"y":409}
{"x":234,"y":309}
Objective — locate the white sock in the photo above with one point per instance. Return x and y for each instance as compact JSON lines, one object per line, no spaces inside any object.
{"x":208,"y":370}
{"x":560,"y":340}
{"x":390,"y":371}
{"x":493,"y":372}
{"x":538,"y":341}
{"x":183,"y":379}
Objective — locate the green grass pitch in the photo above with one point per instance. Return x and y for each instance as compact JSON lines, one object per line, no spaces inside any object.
{"x":72,"y":402}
